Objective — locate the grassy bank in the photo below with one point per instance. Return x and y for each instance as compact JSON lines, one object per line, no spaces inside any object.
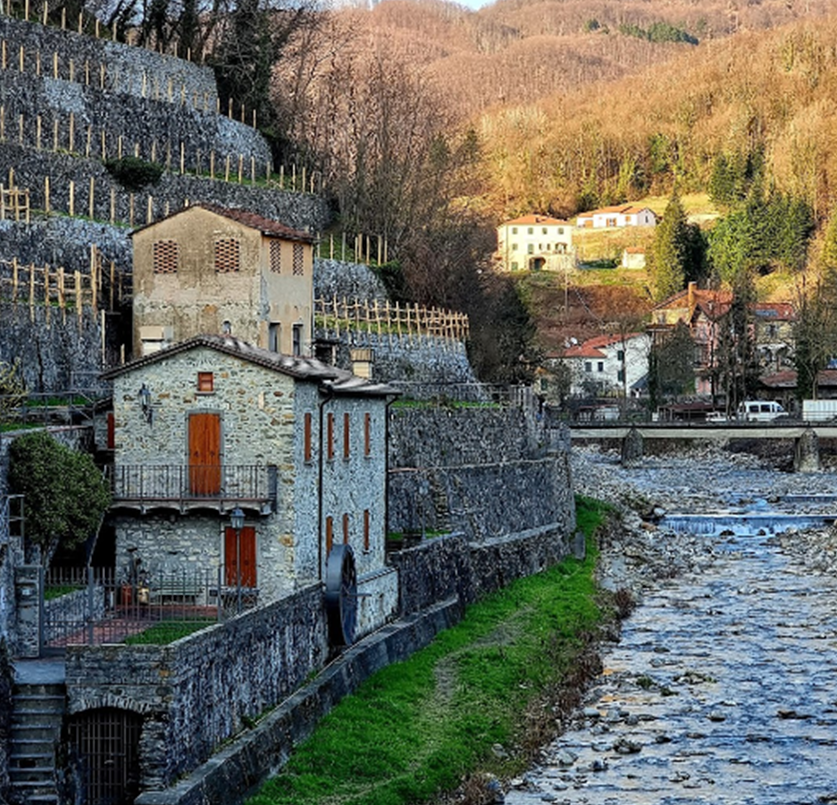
{"x":419,"y":727}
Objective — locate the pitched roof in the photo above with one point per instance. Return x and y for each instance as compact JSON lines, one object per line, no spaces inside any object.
{"x":537,"y":219}
{"x":592,"y":347}
{"x":251,"y":219}
{"x":338,"y":381}
{"x":623,"y":209}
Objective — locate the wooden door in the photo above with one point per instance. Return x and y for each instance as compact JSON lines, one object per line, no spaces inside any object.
{"x":246,"y":550}
{"x":204,"y":454}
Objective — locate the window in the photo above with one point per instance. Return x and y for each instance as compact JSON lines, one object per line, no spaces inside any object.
{"x":610,"y":222}
{"x":600,"y":367}
{"x":346,"y":438}
{"x":276,"y":256}
{"x":329,"y":534}
{"x":514,"y":230}
{"x":515,"y":266}
{"x":227,"y":255}
{"x":330,"y":437}
{"x":620,"y":355}
{"x":367,"y":434}
{"x":366,"y":529}
{"x":543,"y":230}
{"x":514,"y":247}
{"x":345,"y":529}
{"x":588,"y":367}
{"x":274,"y":330}
{"x":560,"y":230}
{"x":307,"y":440}
{"x":531,"y":248}
{"x":297,"y":340}
{"x":620,"y":375}
{"x":166,"y":256}
{"x":206,"y":382}
{"x":299,"y":260}
{"x":530,"y":231}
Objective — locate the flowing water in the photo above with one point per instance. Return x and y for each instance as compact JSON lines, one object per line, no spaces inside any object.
{"x":723,"y":688}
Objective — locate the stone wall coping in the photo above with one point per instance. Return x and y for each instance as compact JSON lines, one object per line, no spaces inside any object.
{"x":229,"y":775}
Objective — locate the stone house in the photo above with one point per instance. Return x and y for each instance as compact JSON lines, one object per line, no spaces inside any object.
{"x":616,"y":216}
{"x":212,"y":424}
{"x":207,"y":269}
{"x":608,"y":365}
{"x":534,"y":242}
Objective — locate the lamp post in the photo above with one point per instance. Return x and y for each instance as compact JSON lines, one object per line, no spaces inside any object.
{"x":237,"y":523}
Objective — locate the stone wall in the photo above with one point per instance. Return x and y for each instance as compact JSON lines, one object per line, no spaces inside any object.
{"x":201,"y":690}
{"x":172,"y":191}
{"x":447,"y":465}
{"x":335,"y":278}
{"x":130,"y":68}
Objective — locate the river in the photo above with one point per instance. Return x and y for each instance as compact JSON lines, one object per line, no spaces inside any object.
{"x":722,"y":687}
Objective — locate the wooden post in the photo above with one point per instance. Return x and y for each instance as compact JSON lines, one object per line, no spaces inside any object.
{"x":72,"y":194}
{"x":240,"y":166}
{"x":2,"y":203}
{"x":72,"y":70}
{"x":227,"y":168}
{"x":303,"y":178}
{"x":14,"y":281}
{"x":212,"y":164}
{"x":119,"y":147}
{"x":38,"y":63}
{"x":102,"y":74}
{"x":79,"y":298}
{"x":112,"y":206}
{"x":46,"y":13}
{"x":331,"y":246}
{"x":91,"y":207}
{"x":20,"y":59}
{"x":95,"y":278}
{"x":88,"y":143}
{"x":55,"y":64}
{"x":2,"y":124}
{"x":112,"y":284}
{"x":149,"y":215}
{"x":46,"y":195}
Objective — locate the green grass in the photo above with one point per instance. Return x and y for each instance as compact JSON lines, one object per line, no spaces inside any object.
{"x":165,"y":632}
{"x":417,"y":727}
{"x":51,"y":593}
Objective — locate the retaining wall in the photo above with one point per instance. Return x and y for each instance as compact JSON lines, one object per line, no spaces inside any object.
{"x":199,"y":691}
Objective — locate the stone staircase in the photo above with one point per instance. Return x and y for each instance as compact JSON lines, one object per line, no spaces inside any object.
{"x":37,"y":718}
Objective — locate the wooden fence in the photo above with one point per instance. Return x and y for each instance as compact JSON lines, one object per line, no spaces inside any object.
{"x":14,"y":203}
{"x":59,"y":291}
{"x":392,"y":320}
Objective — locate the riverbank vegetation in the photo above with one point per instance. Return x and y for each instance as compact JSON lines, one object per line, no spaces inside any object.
{"x":478,"y":701}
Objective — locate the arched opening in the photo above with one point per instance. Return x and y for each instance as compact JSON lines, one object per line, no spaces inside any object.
{"x":103,"y":749}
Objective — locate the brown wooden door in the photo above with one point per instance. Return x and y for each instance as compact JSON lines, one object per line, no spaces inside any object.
{"x":246,"y":549}
{"x":204,"y":454}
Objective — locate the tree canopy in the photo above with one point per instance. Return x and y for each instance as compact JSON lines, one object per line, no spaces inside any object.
{"x":65,"y":495}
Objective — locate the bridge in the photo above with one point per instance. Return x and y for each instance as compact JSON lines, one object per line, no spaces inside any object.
{"x":805,"y":435}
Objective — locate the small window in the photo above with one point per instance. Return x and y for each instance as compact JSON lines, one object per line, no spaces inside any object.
{"x":274,"y":330}
{"x":276,"y":256}
{"x":530,"y":230}
{"x":330,"y":437}
{"x":560,"y":230}
{"x":600,"y":367}
{"x":346,"y":435}
{"x":765,"y":407}
{"x":515,"y":266}
{"x":514,"y":247}
{"x":514,"y":230}
{"x":166,"y":256}
{"x":299,"y":260}
{"x":367,"y":434}
{"x":307,"y":440}
{"x":297,"y":339}
{"x":543,"y":230}
{"x":620,"y":375}
{"x":206,"y":382}
{"x":329,"y":534}
{"x":588,"y":366}
{"x":366,"y":529}
{"x":620,"y":355}
{"x":227,"y":256}
{"x":531,"y":248}
{"x":345,"y":529}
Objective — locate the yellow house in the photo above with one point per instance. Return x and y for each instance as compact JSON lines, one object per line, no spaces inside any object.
{"x":207,"y":269}
{"x":534,"y":242}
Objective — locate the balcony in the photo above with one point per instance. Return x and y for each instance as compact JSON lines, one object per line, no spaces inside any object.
{"x":186,"y":488}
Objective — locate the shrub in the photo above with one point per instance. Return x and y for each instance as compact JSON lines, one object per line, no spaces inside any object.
{"x":134,"y":173}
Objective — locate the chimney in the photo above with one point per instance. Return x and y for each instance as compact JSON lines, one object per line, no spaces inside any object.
{"x":692,"y":289}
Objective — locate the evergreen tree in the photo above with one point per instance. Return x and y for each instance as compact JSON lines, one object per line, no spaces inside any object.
{"x":668,"y":251}
{"x":670,"y":371}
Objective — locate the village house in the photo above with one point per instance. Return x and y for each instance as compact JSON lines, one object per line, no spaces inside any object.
{"x":207,"y":269}
{"x":608,"y":365}
{"x":704,"y":312}
{"x":633,"y":257}
{"x":619,"y":215}
{"x":534,"y":242}
{"x":213,"y":424}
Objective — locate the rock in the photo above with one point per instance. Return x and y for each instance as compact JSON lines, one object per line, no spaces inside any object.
{"x":499,"y":752}
{"x":565,"y":757}
{"x":625,"y":746}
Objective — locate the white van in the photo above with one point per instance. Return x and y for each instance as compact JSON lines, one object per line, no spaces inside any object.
{"x":759,"y":411}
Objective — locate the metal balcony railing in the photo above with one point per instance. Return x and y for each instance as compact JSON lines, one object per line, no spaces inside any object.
{"x":145,"y":483}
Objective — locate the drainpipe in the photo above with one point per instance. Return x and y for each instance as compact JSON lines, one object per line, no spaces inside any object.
{"x":390,"y":401}
{"x":328,"y":393}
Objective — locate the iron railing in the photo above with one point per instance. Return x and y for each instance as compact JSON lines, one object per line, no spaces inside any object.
{"x":92,"y":606}
{"x":183,"y":483}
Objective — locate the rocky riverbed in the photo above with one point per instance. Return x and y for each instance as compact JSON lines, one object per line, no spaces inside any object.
{"x":721,"y":687}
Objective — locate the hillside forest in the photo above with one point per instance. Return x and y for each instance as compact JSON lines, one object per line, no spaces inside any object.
{"x":430,"y":123}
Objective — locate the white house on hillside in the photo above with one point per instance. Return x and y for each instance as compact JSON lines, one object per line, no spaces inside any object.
{"x":619,"y":215}
{"x":608,"y":364}
{"x":534,"y":242}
